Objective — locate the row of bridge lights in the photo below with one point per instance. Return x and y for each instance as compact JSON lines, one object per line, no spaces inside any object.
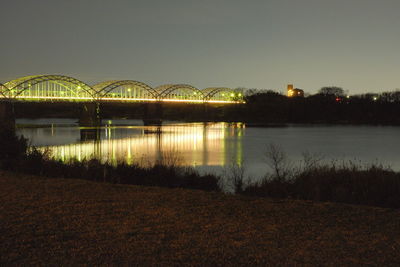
{"x":129,"y":90}
{"x":195,"y":93}
{"x":231,"y":95}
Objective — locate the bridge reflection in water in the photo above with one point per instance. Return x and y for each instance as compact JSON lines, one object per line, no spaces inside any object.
{"x":195,"y":144}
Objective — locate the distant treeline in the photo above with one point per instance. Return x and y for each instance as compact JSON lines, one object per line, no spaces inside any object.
{"x":272,"y":107}
{"x":330,"y":106}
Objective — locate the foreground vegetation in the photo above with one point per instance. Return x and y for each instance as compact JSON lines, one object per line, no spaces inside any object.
{"x":46,"y":221}
{"x":373,"y":186}
{"x":16,"y":155}
{"x":314,"y":179}
{"x":351,"y":183}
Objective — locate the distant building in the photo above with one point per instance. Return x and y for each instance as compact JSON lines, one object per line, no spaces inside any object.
{"x":294,"y":92}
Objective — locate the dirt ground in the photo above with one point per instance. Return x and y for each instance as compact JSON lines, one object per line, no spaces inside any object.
{"x":71,"y":222}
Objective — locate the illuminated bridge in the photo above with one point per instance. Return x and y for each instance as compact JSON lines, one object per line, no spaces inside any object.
{"x":64,"y":88}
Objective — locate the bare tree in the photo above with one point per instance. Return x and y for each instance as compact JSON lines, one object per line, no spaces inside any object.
{"x":235,"y":173}
{"x":278,"y":161}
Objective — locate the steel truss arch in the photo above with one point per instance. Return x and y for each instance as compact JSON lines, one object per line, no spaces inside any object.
{"x":104,"y":88}
{"x":161,"y":88}
{"x":165,"y":90}
{"x":60,"y":87}
{"x":4,"y":92}
{"x":209,"y":93}
{"x":19,"y":85}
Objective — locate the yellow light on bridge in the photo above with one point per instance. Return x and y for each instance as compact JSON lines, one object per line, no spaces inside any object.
{"x":58,"y":87}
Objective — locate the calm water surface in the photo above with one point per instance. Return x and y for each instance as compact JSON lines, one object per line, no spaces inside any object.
{"x":211,"y":147}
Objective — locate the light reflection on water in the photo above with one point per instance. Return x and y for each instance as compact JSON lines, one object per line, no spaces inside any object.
{"x":135,"y":144}
{"x":211,"y":146}
{"x":194,"y":144}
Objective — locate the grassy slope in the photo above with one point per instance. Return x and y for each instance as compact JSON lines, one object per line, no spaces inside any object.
{"x":73,"y":221}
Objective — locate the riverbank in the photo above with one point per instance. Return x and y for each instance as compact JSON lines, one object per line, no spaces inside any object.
{"x":65,"y":221}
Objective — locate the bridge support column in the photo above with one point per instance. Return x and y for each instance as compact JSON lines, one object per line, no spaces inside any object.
{"x":90,"y":115}
{"x":90,"y":134}
{"x":7,"y":116}
{"x":153,"y":113}
{"x":206,"y":112}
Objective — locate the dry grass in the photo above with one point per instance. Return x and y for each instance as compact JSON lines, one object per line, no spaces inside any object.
{"x":69,"y":222}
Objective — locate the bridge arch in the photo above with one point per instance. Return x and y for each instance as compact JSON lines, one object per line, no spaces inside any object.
{"x":222,"y":94}
{"x":218,"y":93}
{"x":50,"y":87}
{"x":179,"y":92}
{"x":124,"y":89}
{"x":4,"y":92}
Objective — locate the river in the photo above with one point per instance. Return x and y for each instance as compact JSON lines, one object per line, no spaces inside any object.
{"x":212,"y":147}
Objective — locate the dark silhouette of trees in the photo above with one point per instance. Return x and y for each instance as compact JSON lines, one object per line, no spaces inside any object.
{"x":331,"y":90}
{"x":13,"y":149}
{"x":330,"y":105}
{"x":267,"y":106}
{"x":391,"y":97}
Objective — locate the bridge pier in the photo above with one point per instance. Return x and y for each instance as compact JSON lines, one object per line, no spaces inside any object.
{"x":206,"y":112}
{"x":90,"y":134}
{"x":209,"y":112}
{"x":153,"y":113}
{"x":90,"y":115}
{"x":7,"y":116}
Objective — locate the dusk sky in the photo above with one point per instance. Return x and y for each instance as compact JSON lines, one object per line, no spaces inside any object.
{"x":265,"y":44}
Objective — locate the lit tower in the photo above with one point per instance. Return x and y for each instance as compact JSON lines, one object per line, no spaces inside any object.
{"x":294,"y":92}
{"x":290,"y":90}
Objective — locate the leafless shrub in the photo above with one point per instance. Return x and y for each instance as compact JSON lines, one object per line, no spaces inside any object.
{"x":235,"y":177}
{"x":171,"y":158}
{"x":310,"y":161}
{"x":278,"y":161}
